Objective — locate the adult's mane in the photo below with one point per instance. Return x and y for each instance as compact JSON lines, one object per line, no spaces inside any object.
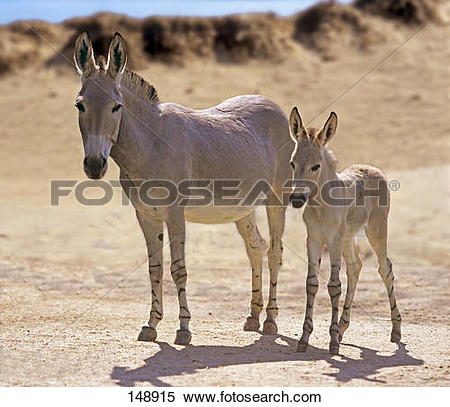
{"x":139,"y":86}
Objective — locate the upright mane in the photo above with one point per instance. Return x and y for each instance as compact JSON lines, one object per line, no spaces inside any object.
{"x":139,"y":86}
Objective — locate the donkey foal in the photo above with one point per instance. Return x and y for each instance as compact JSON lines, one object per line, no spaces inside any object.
{"x":314,"y":167}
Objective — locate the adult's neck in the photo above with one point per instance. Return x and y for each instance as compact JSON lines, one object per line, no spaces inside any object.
{"x":139,"y":132}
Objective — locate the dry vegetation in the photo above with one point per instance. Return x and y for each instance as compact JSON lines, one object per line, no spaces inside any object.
{"x":323,"y":28}
{"x":331,"y":28}
{"x":227,"y":39}
{"x":406,"y":11}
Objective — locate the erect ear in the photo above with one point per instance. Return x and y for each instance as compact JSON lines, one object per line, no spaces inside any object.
{"x":296,"y":126}
{"x":117,"y":56}
{"x":328,"y":130}
{"x":84,"y":55}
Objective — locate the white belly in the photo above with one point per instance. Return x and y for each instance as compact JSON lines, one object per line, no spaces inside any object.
{"x":212,"y":215}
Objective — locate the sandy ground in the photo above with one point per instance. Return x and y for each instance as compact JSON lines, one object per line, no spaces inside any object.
{"x":71,"y":316}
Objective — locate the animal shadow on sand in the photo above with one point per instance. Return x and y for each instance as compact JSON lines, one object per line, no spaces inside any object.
{"x":169,"y":361}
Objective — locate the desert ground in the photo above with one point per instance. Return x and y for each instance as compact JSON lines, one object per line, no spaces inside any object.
{"x":74,"y":288}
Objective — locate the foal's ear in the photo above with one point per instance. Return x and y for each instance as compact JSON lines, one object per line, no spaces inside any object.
{"x":328,"y":130}
{"x":296,"y":126}
{"x":84,"y":55}
{"x":117,"y":56}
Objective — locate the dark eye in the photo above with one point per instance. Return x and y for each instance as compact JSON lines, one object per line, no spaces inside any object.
{"x":315,"y":167}
{"x":116,"y":108}
{"x":79,"y":106}
{"x":292,"y":165}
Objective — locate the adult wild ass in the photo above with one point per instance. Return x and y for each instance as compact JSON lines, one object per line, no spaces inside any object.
{"x":335,"y":226}
{"x":240,"y":139}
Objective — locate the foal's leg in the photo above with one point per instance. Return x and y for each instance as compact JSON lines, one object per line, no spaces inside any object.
{"x":153,"y":233}
{"x":177,"y":237}
{"x":376,"y":232}
{"x":334,"y":290}
{"x":276,"y":218}
{"x":353,"y":265}
{"x":255,"y":246}
{"x":312,"y":286}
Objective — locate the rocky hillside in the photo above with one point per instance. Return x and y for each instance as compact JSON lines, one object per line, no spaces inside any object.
{"x":326,"y":28}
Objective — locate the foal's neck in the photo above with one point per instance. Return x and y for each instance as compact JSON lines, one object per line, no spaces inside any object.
{"x":328,"y":173}
{"x":329,"y":166}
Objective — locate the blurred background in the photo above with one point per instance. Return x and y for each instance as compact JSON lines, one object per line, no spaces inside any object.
{"x":382,"y":65}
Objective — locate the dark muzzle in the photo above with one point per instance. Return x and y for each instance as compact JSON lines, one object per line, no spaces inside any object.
{"x":95,"y":167}
{"x":297,"y":199}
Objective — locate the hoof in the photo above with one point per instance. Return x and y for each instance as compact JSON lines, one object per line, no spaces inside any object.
{"x":334,"y":348}
{"x":302,"y":346}
{"x":396,"y":337}
{"x":270,"y":328}
{"x":148,"y":334}
{"x":252,"y":324}
{"x":183,"y":337}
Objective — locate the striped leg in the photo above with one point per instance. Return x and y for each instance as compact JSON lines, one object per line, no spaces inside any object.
{"x":276,"y":219}
{"x":312,"y":286}
{"x":353,"y":268}
{"x":177,"y":234}
{"x":334,"y":290}
{"x":255,"y":246}
{"x":388,"y":278}
{"x":376,"y":232}
{"x":153,"y":233}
